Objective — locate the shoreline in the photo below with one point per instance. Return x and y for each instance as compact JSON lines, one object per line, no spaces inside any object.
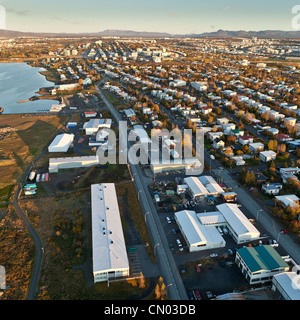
{"x":34,"y":98}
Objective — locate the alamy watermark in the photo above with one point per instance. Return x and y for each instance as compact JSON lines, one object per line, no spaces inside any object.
{"x":2,"y":278}
{"x":165,"y":150}
{"x":2,"y":18}
{"x":296,"y":18}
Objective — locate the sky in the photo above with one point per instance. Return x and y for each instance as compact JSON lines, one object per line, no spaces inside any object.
{"x":172,"y":16}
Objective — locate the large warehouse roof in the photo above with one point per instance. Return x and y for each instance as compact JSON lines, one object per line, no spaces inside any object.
{"x":208,"y":218}
{"x":262,"y":258}
{"x":109,"y":250}
{"x":211,"y":185}
{"x":196,"y":186}
{"x":61,"y":143}
{"x":191,"y":226}
{"x":195,"y":232}
{"x":285,"y":280}
{"x":236,"y":219}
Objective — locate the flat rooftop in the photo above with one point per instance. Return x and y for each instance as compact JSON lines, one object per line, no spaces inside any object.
{"x":109,"y":250}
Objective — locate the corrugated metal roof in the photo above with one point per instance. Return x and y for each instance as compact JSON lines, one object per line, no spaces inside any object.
{"x":262,"y":258}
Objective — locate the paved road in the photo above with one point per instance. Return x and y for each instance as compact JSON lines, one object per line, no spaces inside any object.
{"x":173,"y":281}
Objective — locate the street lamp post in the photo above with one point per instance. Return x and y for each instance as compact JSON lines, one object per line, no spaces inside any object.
{"x":139,"y":194}
{"x":146,"y":216}
{"x":257,"y":213}
{"x":279,"y":235}
{"x":211,"y":157}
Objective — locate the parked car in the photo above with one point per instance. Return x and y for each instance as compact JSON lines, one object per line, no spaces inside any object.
{"x":168,"y":220}
{"x":284,"y":231}
{"x":171,"y":246}
{"x":191,"y":296}
{"x":230,"y":251}
{"x":197,"y":294}
{"x":182,"y":270}
{"x":222,"y":264}
{"x":174,"y":231}
{"x":197,"y":268}
{"x":213,"y":255}
{"x":209,"y":294}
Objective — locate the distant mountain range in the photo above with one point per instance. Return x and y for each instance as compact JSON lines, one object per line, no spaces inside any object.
{"x":265,"y":34}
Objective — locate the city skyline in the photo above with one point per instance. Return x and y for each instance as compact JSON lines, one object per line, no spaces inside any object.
{"x":169,"y":16}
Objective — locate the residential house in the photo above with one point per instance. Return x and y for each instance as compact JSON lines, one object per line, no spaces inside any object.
{"x":245,"y":140}
{"x":272,"y":189}
{"x":237,"y":132}
{"x":289,"y":121}
{"x":256,"y":147}
{"x":218,"y":143}
{"x":268,"y":155}
{"x":283,"y":137}
{"x":239,"y":161}
{"x":288,"y":200}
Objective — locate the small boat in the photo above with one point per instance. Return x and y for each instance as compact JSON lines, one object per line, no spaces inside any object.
{"x":46,"y":176}
{"x":43,"y":177}
{"x":38,"y":178}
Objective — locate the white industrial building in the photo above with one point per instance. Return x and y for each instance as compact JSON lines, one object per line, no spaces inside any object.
{"x":195,"y":187}
{"x":188,"y":164}
{"x":61,"y":143}
{"x":109,"y":253}
{"x":211,"y":185}
{"x":286,"y":285}
{"x":93,"y":125}
{"x":239,"y":226}
{"x":72,"y":162}
{"x":200,"y":187}
{"x":200,"y":230}
{"x":197,"y":236}
{"x":259,"y":264}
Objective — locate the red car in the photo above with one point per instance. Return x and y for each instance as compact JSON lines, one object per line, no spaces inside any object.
{"x":197,"y":268}
{"x":197,"y":294}
{"x":284,"y":231}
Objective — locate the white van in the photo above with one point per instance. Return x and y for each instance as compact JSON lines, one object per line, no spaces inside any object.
{"x":179,"y":244}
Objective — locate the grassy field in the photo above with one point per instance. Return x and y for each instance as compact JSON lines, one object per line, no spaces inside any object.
{"x":127,"y":190}
{"x":20,"y":148}
{"x":17,"y":253}
{"x":116,"y":102}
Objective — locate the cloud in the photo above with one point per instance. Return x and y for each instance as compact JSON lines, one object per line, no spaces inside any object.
{"x":69,"y":21}
{"x":18,"y":12}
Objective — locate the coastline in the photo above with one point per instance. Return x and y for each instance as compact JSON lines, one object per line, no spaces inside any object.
{"x":41,"y":93}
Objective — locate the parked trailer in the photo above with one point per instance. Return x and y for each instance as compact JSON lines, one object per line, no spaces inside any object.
{"x":32,"y":175}
{"x":29,"y":193}
{"x":33,"y":185}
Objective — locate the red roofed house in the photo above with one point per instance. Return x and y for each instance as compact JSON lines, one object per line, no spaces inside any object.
{"x":245,"y":140}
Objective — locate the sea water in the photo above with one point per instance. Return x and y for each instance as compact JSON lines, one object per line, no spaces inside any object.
{"x":19,"y":82}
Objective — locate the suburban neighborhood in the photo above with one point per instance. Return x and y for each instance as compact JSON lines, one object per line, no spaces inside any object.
{"x":153,"y":168}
